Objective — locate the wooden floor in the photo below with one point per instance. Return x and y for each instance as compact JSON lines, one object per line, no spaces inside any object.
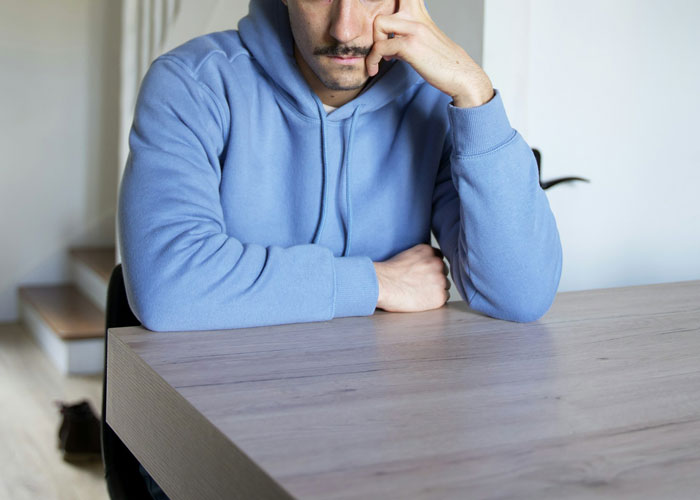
{"x":30,"y":461}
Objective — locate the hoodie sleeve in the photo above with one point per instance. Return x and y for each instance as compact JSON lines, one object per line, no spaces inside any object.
{"x":182,"y":270}
{"x":491,"y":218}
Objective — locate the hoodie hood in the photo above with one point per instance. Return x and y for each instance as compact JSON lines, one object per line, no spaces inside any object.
{"x":267,"y":35}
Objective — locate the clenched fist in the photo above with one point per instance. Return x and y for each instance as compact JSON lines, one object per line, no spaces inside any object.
{"x":413,"y":280}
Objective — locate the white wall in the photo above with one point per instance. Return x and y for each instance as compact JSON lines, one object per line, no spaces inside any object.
{"x":206,"y":16}
{"x":58,"y":96}
{"x":462,"y":21}
{"x":609,"y":91}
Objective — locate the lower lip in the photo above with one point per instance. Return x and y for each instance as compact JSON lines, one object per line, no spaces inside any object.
{"x":348,"y":60}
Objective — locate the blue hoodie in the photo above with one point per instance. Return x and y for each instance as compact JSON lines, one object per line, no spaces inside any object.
{"x":244,"y":203}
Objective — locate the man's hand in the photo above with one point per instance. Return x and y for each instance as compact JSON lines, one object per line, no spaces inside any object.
{"x":413,"y":280}
{"x":412,"y":36}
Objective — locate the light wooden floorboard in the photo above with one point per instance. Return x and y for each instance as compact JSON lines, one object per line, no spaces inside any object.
{"x":30,"y":461}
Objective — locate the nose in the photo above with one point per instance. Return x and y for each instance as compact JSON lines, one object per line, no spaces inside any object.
{"x":347,"y":22}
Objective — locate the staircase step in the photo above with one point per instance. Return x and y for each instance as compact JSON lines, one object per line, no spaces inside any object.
{"x":100,"y":259}
{"x":90,"y":271}
{"x":67,"y":326}
{"x":69,"y":313}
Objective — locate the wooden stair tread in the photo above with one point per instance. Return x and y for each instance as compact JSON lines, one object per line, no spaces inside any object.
{"x":99,"y":259}
{"x":69,"y":313}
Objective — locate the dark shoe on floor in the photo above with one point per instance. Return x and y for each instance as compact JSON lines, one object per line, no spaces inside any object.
{"x":79,"y":433}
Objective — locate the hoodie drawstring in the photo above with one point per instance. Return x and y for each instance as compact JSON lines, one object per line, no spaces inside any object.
{"x":324,"y":154}
{"x":347,"y":162}
{"x":348,"y":200}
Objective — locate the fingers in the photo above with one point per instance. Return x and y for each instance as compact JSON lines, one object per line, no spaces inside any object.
{"x":395,"y":24}
{"x":393,"y":38}
{"x":445,"y":281}
{"x":444,"y":275}
{"x":438,"y":253}
{"x":426,"y":249}
{"x":384,"y":49}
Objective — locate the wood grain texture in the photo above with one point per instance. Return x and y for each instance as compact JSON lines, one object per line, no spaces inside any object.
{"x":67,"y":311}
{"x":600,"y":398}
{"x":100,"y":259}
{"x":183,"y":452}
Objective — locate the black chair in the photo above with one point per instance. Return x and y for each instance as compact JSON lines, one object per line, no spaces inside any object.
{"x":124,"y":480}
{"x":553,"y":182}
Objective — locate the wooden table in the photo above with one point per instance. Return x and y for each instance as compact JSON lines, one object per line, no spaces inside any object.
{"x":600,"y":398}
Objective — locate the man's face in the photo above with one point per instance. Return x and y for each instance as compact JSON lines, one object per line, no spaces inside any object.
{"x":333,"y":37}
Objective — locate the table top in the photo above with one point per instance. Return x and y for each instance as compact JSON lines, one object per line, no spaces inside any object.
{"x":599,"y":398}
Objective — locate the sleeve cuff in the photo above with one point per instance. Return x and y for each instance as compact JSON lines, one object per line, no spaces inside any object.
{"x":356,"y":287}
{"x":481,"y":129}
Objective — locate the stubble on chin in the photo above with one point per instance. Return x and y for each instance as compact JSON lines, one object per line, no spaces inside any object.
{"x":343,"y":78}
{"x":344,"y":84}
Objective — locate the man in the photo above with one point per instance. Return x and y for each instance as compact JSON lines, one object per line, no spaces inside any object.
{"x":293,"y":170}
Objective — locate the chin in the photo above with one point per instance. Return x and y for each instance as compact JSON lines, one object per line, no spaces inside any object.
{"x":339,"y":86}
{"x":345,"y":83}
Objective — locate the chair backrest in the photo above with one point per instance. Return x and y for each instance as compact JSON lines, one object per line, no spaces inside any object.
{"x":553,"y":182}
{"x":121,"y":467}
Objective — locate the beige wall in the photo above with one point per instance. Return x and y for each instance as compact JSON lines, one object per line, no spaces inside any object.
{"x":59,"y":97}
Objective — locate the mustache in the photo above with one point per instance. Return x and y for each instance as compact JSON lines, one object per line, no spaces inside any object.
{"x":344,"y":51}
